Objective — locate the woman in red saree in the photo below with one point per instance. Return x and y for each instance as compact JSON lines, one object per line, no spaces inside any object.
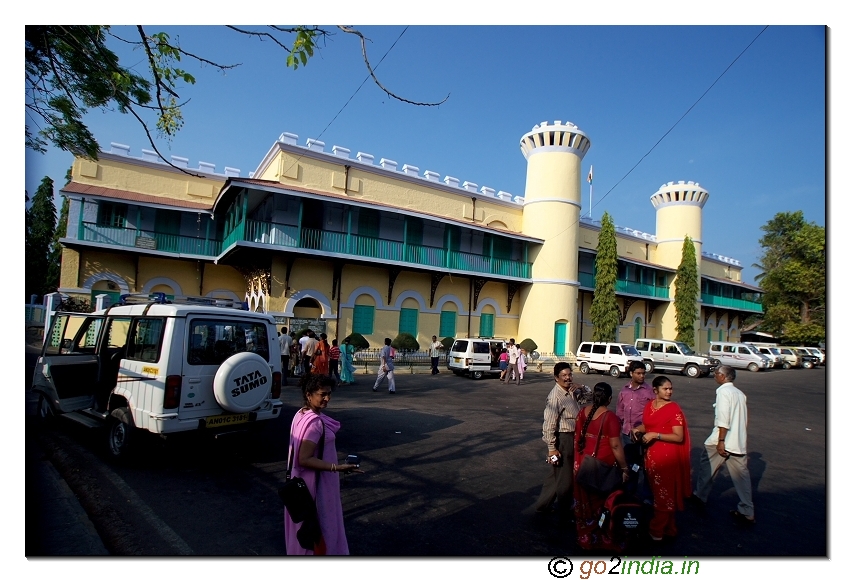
{"x":597,"y":427}
{"x":321,"y":358}
{"x":668,"y":457}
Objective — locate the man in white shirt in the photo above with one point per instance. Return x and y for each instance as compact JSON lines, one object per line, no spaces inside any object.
{"x":308,"y":344}
{"x":387,"y":367}
{"x":285,"y":347}
{"x":436,"y":347}
{"x":728,"y":443}
{"x":513,"y":355}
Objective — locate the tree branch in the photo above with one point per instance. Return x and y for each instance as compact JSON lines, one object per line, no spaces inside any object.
{"x":349,"y":30}
{"x":261,"y":35}
{"x":155,"y":148}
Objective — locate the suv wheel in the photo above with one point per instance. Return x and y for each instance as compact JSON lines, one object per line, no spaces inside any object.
{"x":584,"y":368}
{"x":692,"y":371}
{"x":753,"y":367}
{"x":649,"y":366}
{"x":120,"y":432}
{"x":476,"y":374}
{"x":786,"y":365}
{"x":614,"y":371}
{"x":807,"y":364}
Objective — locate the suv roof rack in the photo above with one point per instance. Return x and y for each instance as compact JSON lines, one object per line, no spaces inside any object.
{"x":161,"y":298}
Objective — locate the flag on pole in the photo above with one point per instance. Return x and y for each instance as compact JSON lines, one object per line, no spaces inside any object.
{"x":590,"y":175}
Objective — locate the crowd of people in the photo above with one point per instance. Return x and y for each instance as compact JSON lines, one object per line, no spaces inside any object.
{"x":643,"y":445}
{"x":646,"y":443}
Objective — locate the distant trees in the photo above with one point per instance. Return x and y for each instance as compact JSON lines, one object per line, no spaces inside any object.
{"x":42,"y":254}
{"x":687,"y":293}
{"x":793,"y":265}
{"x":604,"y":314}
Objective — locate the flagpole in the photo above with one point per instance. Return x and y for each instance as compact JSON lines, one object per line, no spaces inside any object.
{"x":590,"y":181}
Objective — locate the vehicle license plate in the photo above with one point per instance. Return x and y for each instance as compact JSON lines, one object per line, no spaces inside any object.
{"x":226,"y":420}
{"x":457,"y":360}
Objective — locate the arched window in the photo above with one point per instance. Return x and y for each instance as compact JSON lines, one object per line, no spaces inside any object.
{"x":364,"y":315}
{"x":638,"y":328}
{"x":448,"y":323}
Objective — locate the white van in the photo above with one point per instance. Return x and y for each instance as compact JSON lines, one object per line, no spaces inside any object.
{"x":739,"y":355}
{"x":476,"y":357}
{"x":153,"y":365}
{"x":671,"y":355}
{"x":613,"y":358}
{"x":772,"y":353}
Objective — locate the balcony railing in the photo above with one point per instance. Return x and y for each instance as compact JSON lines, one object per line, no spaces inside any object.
{"x":737,"y":303}
{"x":288,"y":236}
{"x":627,"y":287}
{"x":370,"y":247}
{"x":148,"y":240}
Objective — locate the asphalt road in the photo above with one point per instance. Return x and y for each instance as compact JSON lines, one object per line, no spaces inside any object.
{"x":450,"y":465}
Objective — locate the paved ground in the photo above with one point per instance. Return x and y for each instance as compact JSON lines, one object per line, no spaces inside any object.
{"x":451,"y":463}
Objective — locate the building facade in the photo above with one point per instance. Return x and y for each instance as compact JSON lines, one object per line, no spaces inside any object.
{"x":345,"y":244}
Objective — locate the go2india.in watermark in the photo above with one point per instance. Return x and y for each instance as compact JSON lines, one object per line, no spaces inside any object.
{"x":563,"y":567}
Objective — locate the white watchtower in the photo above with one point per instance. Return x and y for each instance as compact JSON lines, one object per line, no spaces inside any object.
{"x":551,"y":212}
{"x":678,"y":213}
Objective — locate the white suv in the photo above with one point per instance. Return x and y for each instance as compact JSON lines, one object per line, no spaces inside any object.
{"x":162,"y":367}
{"x":611,"y":357}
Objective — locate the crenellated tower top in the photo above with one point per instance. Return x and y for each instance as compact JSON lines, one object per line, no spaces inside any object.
{"x":558,"y":136}
{"x":681,"y":193}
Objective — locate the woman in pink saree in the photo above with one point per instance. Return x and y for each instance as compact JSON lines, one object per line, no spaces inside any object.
{"x":311,"y":432}
{"x":668,"y":457}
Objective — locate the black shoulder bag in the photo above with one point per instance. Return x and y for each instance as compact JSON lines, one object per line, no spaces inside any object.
{"x":294,"y":493}
{"x":594,"y":475}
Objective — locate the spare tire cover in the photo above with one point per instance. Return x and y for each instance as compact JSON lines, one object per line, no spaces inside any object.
{"x":242,"y":382}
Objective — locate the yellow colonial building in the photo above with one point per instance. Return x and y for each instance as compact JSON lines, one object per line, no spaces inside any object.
{"x":346,"y":244}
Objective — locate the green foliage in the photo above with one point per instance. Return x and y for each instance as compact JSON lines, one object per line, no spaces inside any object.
{"x":40,"y":231}
{"x":528,"y":344}
{"x":54,"y":262}
{"x":302,"y":47}
{"x":793,"y":277}
{"x":358,"y":341}
{"x":447,"y":342}
{"x":72,"y":304}
{"x":405,"y":342}
{"x":69,"y":70}
{"x":604,"y":314}
{"x":687,"y":293}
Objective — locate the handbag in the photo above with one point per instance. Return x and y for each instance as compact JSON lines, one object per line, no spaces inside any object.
{"x":596,"y":476}
{"x":299,"y":503}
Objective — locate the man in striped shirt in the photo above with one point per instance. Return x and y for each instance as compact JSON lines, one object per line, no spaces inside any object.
{"x":559,"y":424}
{"x":334,"y":361}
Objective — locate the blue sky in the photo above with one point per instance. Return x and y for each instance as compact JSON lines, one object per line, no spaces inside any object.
{"x":756,"y":141}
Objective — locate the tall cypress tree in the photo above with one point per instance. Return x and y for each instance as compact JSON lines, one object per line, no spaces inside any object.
{"x":41,"y":225}
{"x":687,"y":293}
{"x":604,"y":314}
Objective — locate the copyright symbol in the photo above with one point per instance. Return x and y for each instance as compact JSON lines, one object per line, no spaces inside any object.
{"x":560,"y":567}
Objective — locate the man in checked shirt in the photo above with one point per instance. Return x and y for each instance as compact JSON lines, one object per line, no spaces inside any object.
{"x":559,"y":423}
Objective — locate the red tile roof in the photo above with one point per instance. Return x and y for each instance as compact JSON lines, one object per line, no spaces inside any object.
{"x":124,"y":195}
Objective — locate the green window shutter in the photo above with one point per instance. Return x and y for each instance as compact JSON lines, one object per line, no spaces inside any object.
{"x":502,"y":248}
{"x":709,"y":335}
{"x":364,"y":319}
{"x":113,"y":215}
{"x":638,"y":324}
{"x":408,"y":321}
{"x":451,"y":240}
{"x":447,"y":323}
{"x":167,"y":222}
{"x":414,"y":231}
{"x":560,"y":338}
{"x":485,"y":327}
{"x":368,"y":223}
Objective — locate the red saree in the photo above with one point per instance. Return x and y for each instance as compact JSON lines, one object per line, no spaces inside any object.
{"x":668,"y":467}
{"x":588,"y":505}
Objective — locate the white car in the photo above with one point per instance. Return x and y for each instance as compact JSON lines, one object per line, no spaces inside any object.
{"x":476,"y":357}
{"x":163,"y":367}
{"x":613,"y":358}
